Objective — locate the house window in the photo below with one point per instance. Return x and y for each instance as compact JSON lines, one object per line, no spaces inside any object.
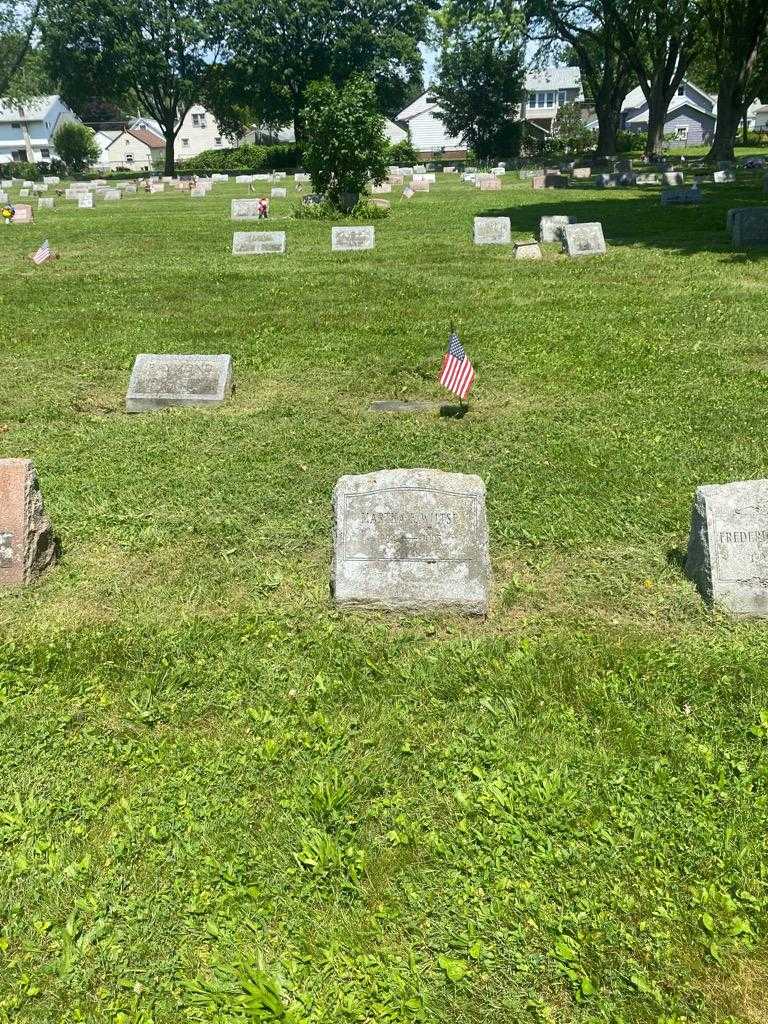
{"x":531,"y":99}
{"x":15,"y":124}
{"x":217,"y":141}
{"x":45,"y":153}
{"x":129,"y":158}
{"x":185,"y":142}
{"x":682,"y":131}
{"x":550,"y":99}
{"x":198,"y":120}
{"x":681,"y":90}
{"x":562,"y":97}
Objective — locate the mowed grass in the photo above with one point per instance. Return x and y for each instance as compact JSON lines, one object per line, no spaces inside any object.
{"x":220,"y":800}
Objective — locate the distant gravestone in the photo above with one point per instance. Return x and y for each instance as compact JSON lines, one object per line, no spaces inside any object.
{"x":749,"y":226}
{"x":606,"y":181}
{"x":673,"y":178}
{"x":623,"y":165}
{"x":23,"y":214}
{"x":419,"y":185}
{"x":85,"y":201}
{"x":27,"y":542}
{"x":538,"y":181}
{"x":111,"y":195}
{"x":45,"y":204}
{"x":352,"y":239}
{"x":395,"y":179}
{"x":728,"y":546}
{"x":492,"y":231}
{"x":4,"y":198}
{"x":24,"y":192}
{"x":527,"y":251}
{"x":302,"y":179}
{"x":411,"y":540}
{"x":129,"y":189}
{"x":168,"y":381}
{"x":381,"y":190}
{"x":626,"y":179}
{"x":246,"y":209}
{"x":681,"y":196}
{"x":724,"y":177}
{"x":580,"y":173}
{"x":489,"y":184}
{"x":584,"y":239}
{"x":647,"y":179}
{"x":556,"y":181}
{"x":156,"y":187}
{"x":551,"y":228}
{"x":279,"y":193}
{"x":258,"y":243}
{"x":419,"y":169}
{"x":198,"y":193}
{"x":51,"y":180}
{"x":381,"y":204}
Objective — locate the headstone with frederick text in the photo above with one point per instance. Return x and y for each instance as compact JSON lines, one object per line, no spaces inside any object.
{"x":167,"y":381}
{"x":411,"y":540}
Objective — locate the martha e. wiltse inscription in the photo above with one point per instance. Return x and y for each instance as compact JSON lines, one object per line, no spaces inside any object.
{"x":411,"y":540}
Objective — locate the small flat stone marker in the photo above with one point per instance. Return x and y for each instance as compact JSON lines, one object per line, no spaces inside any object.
{"x":724,"y":177}
{"x":168,"y":381}
{"x":492,"y":231}
{"x":681,"y":196}
{"x":728,"y":546}
{"x":527,"y":251}
{"x":44,"y":204}
{"x":23,"y":214}
{"x":27,"y":543}
{"x":245,"y":209}
{"x":582,"y":173}
{"x":551,"y":228}
{"x":279,"y":193}
{"x":584,"y":239}
{"x":85,"y":201}
{"x":352,"y":239}
{"x":386,"y":405}
{"x":411,"y":540}
{"x":258,"y":243}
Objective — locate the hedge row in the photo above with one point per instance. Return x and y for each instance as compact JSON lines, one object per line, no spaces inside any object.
{"x":245,"y":159}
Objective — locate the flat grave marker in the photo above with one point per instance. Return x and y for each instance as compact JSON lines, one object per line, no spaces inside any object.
{"x":584,"y":239}
{"x":492,"y":231}
{"x":168,"y":381}
{"x":258,"y":243}
{"x":352,"y":239}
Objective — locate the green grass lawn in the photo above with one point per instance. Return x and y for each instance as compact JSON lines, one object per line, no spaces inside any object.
{"x":214,"y":787}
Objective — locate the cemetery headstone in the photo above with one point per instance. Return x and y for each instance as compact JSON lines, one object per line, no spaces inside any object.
{"x":581,"y":173}
{"x":24,"y":193}
{"x":527,"y":251}
{"x":647,"y":179}
{"x":538,"y":181}
{"x":111,"y":195}
{"x":198,"y":193}
{"x":673,"y":178}
{"x":352,"y":239}
{"x":27,"y":543}
{"x":279,"y":193}
{"x":51,"y":180}
{"x":492,"y":231}
{"x":728,"y":546}
{"x":23,"y":214}
{"x":85,"y":201}
{"x":555,"y":181}
{"x":488,"y":183}
{"x":724,"y":177}
{"x":246,"y":209}
{"x":258,"y":243}
{"x":681,"y":196}
{"x":419,"y":185}
{"x":626,"y":179}
{"x":749,"y":226}
{"x":411,"y":540}
{"x":129,"y":189}
{"x":381,"y":190}
{"x":606,"y":181}
{"x":408,"y":192}
{"x":584,"y":239}
{"x":551,"y":228}
{"x":167,"y":381}
{"x":44,"y":203}
{"x":156,"y":187}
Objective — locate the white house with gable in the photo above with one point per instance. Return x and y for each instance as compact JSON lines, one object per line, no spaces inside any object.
{"x":26,"y":129}
{"x":547,"y":90}
{"x":427,"y":131}
{"x":199,"y":131}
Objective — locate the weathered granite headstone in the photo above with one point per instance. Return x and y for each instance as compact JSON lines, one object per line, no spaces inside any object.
{"x":527,"y":251}
{"x":489,"y":183}
{"x":492,"y":231}
{"x":85,"y":201}
{"x":166,"y":381}
{"x":198,"y":193}
{"x":246,"y":179}
{"x":623,"y":165}
{"x":129,"y":189}
{"x":302,"y":179}
{"x":627,"y":179}
{"x":581,"y":173}
{"x":584,"y":239}
{"x":728,"y":546}
{"x":111,"y":195}
{"x":24,"y":193}
{"x":420,"y":186}
{"x":647,"y":179}
{"x":45,"y":204}
{"x":156,"y":187}
{"x":419,"y":169}
{"x":27,"y":542}
{"x":673,"y":178}
{"x":606,"y":181}
{"x":258,"y":243}
{"x":538,"y":181}
{"x":395,"y":179}
{"x":279,"y":193}
{"x":219,"y":177}
{"x":724,"y":177}
{"x":352,"y":239}
{"x":51,"y":180}
{"x":551,"y":228}
{"x":381,"y":190}
{"x":681,"y":196}
{"x":749,"y":226}
{"x":23,"y":214}
{"x":556,"y":181}
{"x":246,"y":209}
{"x":381,"y":204}
{"x":411,"y":540}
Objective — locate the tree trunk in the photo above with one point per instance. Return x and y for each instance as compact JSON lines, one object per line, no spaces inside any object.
{"x":658,"y":105}
{"x":744,"y":130}
{"x":606,"y":133}
{"x":728,"y":117}
{"x":170,"y":157}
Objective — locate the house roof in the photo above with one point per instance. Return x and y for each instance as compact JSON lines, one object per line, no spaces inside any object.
{"x":148,"y":138}
{"x":681,"y":101}
{"x":419,"y":106}
{"x":34,"y":109}
{"x":553,"y":78}
{"x":636,"y":98}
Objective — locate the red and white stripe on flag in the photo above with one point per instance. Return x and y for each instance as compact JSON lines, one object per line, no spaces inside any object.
{"x":43,"y":253}
{"x":457,"y":374}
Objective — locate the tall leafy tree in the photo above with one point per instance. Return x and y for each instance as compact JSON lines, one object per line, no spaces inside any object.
{"x":481,"y":74}
{"x":279,"y":47}
{"x":735,"y":54}
{"x":589,"y":31}
{"x":18,"y":23}
{"x":659,"y":39}
{"x":157,"y":54}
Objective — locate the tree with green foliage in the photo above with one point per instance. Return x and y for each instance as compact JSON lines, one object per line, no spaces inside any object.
{"x":18,"y":22}
{"x":345,"y":145}
{"x":279,"y":47}
{"x":588,"y":31}
{"x":481,"y":74}
{"x":403,"y":154}
{"x":76,"y":145}
{"x":659,"y":39}
{"x":570,"y":129}
{"x":158,"y":55}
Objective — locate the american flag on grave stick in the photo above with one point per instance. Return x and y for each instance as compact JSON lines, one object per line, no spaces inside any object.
{"x":457,"y":374}
{"x":43,"y":253}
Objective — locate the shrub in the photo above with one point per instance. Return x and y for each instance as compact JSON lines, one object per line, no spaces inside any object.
{"x":23,"y":169}
{"x":247,"y":158}
{"x":403,"y":154}
{"x":347,"y":145}
{"x":365,"y":210}
{"x":76,"y":145}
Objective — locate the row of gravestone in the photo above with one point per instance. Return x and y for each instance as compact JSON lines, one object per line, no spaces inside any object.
{"x":577,"y":239}
{"x":416,"y":540}
{"x":262,"y":243}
